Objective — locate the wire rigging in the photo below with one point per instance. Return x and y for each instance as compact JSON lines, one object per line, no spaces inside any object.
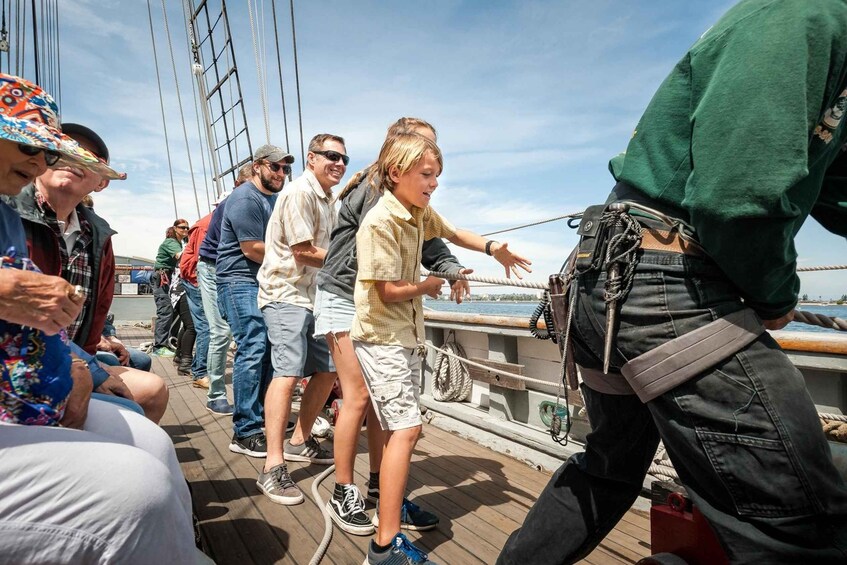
{"x":279,"y":70}
{"x":162,"y":106}
{"x":179,"y":104}
{"x":188,"y":40}
{"x":297,"y":80}
{"x":259,"y":71}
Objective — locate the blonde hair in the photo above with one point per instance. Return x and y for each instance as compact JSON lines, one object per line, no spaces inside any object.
{"x":244,"y":174}
{"x":403,"y":152}
{"x":401,"y":126}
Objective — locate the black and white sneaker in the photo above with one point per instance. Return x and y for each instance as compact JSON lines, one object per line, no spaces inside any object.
{"x":254,"y":446}
{"x":347,"y":510}
{"x":277,"y":485}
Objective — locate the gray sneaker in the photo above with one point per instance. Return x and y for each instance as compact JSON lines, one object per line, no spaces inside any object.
{"x":402,"y":552}
{"x":278,"y":486}
{"x":308,"y":452}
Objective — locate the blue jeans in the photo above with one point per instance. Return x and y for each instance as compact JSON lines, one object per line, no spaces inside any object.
{"x":219,"y":334}
{"x":744,"y":435}
{"x":251,"y":368}
{"x":201,"y":327}
{"x":137,"y":359}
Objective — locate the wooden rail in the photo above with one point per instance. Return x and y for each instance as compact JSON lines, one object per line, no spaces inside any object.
{"x":806,"y":342}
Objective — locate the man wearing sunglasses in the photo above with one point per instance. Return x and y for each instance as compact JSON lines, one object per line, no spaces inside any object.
{"x":295,"y":246}
{"x":241,"y":250}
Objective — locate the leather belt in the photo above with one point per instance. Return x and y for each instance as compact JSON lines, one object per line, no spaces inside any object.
{"x":658,"y":240}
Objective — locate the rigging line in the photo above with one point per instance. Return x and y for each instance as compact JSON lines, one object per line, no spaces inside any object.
{"x":35,"y":44}
{"x":199,"y":74}
{"x":162,"y":105}
{"x":58,"y":54}
{"x":279,"y":70}
{"x":231,"y":105}
{"x":181,"y":113}
{"x":197,"y":112}
{"x":297,"y":78}
{"x":557,"y":218}
{"x":19,"y":47}
{"x":259,"y":76}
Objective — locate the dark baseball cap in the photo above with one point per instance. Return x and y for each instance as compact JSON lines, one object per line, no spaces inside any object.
{"x":101,"y":150}
{"x":273,"y":154}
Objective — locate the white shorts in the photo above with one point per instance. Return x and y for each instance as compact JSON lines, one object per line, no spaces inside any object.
{"x":393,"y":377}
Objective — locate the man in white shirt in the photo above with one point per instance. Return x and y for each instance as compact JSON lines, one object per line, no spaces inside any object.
{"x":295,"y":246}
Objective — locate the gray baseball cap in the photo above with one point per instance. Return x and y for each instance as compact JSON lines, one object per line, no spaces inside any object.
{"x":273,"y":154}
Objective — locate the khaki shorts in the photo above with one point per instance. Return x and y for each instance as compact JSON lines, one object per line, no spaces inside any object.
{"x":393,"y":377}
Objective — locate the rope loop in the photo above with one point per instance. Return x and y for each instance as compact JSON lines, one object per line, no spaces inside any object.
{"x":451,"y":380}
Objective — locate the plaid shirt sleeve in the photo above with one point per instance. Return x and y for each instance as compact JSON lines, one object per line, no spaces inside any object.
{"x":298,"y":218}
{"x":379,"y":253}
{"x":436,"y":226}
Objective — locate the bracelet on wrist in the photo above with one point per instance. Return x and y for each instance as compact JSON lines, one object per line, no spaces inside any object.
{"x":78,"y":360}
{"x":488,"y":246}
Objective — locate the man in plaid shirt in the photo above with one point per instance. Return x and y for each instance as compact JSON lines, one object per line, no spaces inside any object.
{"x":68,"y":239}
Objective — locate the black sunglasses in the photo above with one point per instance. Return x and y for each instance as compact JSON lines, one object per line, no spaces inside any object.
{"x":182,"y":227}
{"x":50,"y":157}
{"x":334,"y":156}
{"x":275,"y":167}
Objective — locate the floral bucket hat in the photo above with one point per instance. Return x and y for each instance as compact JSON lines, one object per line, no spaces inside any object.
{"x":29,"y":116}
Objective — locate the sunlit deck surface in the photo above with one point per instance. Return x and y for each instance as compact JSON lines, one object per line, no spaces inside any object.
{"x":481,"y":496}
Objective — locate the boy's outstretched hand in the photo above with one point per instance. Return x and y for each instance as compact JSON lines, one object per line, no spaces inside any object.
{"x":511,"y":261}
{"x":432,"y":286}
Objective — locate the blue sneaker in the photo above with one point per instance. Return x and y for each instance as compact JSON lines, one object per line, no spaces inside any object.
{"x":411,"y":517}
{"x":220,"y":407}
{"x":402,"y":552}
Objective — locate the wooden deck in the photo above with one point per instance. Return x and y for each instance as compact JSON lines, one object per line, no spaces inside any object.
{"x":481,"y":496}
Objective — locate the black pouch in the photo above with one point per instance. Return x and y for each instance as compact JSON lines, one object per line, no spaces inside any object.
{"x":589,"y":253}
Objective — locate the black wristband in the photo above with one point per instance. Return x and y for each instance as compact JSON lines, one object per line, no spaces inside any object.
{"x":488,"y":246}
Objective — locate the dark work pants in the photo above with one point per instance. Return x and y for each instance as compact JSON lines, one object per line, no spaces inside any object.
{"x":187,"y":334}
{"x":744,"y":435}
{"x":164,"y":314}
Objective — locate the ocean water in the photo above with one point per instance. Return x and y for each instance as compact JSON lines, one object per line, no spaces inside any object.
{"x":135,"y":308}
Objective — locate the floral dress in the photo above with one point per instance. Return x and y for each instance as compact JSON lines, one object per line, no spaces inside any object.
{"x":35,"y":368}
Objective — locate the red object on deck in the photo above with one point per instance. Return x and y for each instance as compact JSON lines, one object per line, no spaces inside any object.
{"x":679,"y":528}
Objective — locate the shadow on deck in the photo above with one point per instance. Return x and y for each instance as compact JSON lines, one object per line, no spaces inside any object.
{"x":481,"y":496}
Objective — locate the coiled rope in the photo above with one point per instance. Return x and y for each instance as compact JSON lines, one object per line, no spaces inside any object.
{"x":451,"y":380}
{"x":321,"y":551}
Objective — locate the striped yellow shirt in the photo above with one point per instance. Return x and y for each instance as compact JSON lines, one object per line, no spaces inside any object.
{"x":388,"y":245}
{"x":303,"y":212}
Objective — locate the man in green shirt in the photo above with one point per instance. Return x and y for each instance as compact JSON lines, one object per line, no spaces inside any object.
{"x":742,"y":142}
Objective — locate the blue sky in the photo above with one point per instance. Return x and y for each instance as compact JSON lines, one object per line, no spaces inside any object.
{"x":530,"y":100}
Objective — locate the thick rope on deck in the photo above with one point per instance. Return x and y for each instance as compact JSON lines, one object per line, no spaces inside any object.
{"x":321,"y":551}
{"x":451,"y":381}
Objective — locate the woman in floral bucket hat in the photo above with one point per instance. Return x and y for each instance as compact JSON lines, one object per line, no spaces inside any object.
{"x":111,"y":490}
{"x":29,"y":118}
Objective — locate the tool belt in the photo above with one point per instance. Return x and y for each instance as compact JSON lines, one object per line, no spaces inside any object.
{"x":671,"y":364}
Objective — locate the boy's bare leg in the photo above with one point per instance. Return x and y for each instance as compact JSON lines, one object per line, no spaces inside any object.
{"x":394,"y":473}
{"x":353,"y":409}
{"x":277,"y":409}
{"x":376,"y":440}
{"x":313,"y":400}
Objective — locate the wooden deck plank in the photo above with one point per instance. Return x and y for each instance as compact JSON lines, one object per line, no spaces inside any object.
{"x":481,"y":496}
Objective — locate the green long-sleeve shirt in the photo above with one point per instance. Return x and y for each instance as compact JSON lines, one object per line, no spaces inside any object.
{"x":745,"y":137}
